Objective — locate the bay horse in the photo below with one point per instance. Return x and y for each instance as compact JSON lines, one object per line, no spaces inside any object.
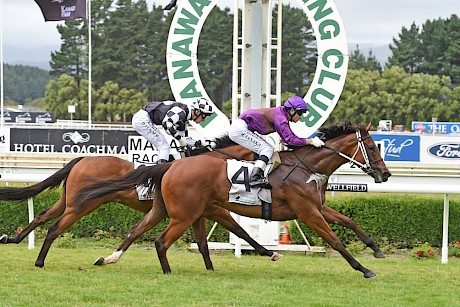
{"x":82,"y":171}
{"x":74,"y":176}
{"x":189,"y":186}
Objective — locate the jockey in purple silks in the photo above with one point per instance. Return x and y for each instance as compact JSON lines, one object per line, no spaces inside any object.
{"x":265,"y":121}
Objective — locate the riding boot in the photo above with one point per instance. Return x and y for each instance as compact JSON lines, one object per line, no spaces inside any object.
{"x":258,"y":180}
{"x":162,"y":161}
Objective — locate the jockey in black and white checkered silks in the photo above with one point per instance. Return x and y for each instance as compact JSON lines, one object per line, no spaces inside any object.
{"x":174,"y":117}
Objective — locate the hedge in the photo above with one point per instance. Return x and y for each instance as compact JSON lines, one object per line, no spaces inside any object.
{"x":404,"y":220}
{"x":113,"y":218}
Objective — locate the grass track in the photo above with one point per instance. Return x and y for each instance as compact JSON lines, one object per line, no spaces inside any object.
{"x":70,"y":279}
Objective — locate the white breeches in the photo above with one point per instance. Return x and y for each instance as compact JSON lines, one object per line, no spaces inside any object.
{"x":240,"y":134}
{"x":144,"y":126}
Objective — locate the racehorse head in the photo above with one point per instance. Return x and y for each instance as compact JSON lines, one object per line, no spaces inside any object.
{"x":355,"y":145}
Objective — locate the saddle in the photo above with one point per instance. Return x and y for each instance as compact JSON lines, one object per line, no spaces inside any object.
{"x":238,"y":173}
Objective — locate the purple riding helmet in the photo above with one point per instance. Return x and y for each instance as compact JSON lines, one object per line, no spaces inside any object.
{"x":296,"y":103}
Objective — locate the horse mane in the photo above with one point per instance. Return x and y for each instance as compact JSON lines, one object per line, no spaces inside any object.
{"x":334,"y":131}
{"x":220,"y":142}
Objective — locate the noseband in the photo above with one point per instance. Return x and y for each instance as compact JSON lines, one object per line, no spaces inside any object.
{"x":367,"y":167}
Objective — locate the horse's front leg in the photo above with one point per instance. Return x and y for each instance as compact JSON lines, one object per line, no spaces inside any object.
{"x":315,"y":220}
{"x":150,"y":220}
{"x":224,"y":218}
{"x":335,"y":217}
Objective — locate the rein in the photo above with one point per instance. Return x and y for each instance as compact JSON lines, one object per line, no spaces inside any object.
{"x":223,"y":152}
{"x":297,"y":164}
{"x":189,"y":153}
{"x":366,"y":168}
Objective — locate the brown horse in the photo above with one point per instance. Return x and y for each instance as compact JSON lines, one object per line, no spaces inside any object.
{"x":80,"y":172}
{"x":188,"y":187}
{"x":75,"y":176}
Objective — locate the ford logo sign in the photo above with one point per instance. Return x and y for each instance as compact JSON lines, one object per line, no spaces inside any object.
{"x":445,"y":151}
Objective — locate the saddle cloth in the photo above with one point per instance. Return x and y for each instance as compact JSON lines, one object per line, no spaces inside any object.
{"x":238,"y":173}
{"x":142,"y":190}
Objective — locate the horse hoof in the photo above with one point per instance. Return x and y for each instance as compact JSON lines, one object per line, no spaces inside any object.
{"x":99,"y":261}
{"x":370,"y":274}
{"x":4,"y":239}
{"x":276,"y":256}
{"x":379,"y":254}
{"x":39,"y":265}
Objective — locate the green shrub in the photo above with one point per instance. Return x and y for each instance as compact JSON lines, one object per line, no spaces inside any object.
{"x":395,"y":220}
{"x":110,"y":220}
{"x":423,"y":251}
{"x":66,"y":241}
{"x":401,"y":220}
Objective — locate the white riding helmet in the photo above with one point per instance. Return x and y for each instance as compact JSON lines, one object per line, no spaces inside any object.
{"x":203,"y":105}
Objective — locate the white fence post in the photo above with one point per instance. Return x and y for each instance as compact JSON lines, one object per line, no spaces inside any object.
{"x":445,"y":231}
{"x":31,"y":218}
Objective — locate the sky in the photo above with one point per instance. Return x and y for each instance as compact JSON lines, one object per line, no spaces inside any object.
{"x":371,"y":22}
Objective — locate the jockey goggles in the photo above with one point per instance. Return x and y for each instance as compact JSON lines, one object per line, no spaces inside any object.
{"x":300,"y":111}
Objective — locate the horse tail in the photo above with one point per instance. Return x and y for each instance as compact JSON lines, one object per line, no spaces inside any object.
{"x":146,"y":175}
{"x":52,"y":182}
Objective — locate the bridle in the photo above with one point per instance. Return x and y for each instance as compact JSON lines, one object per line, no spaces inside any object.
{"x":367,"y":166}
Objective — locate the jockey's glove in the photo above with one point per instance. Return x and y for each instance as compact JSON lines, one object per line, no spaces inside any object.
{"x":182,"y":142}
{"x":193,"y":143}
{"x":316,"y":142}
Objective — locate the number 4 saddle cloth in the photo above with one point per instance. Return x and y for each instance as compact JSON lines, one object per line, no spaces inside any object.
{"x":238,"y":172}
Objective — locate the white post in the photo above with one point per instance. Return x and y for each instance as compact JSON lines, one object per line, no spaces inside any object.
{"x":445,"y":230}
{"x":255,"y":58}
{"x":238,"y":240}
{"x":1,"y":62}
{"x":89,"y":64}
{"x":235,"y":70}
{"x":31,"y":218}
{"x":279,"y":53}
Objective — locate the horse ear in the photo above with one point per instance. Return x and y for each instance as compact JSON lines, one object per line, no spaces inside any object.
{"x":368,"y":127}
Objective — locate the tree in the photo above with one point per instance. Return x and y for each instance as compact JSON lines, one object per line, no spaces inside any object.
{"x":407,"y":50}
{"x":24,"y":83}
{"x":155,"y":75}
{"x":298,"y":50}
{"x":403,"y":97}
{"x":215,"y":55}
{"x":115,"y":104}
{"x":434,"y":50}
{"x":60,"y":94}
{"x":72,"y":59}
{"x":359,"y":61}
{"x":452,"y":53}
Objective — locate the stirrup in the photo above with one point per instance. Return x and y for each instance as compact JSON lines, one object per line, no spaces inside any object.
{"x":260,"y":182}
